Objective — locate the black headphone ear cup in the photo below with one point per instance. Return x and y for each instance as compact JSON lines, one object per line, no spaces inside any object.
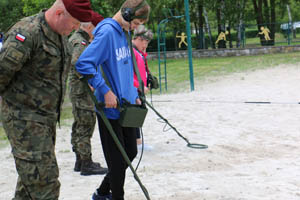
{"x":127,"y":14}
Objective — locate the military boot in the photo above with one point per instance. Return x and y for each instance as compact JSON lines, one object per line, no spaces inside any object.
{"x":88,"y":167}
{"x":77,"y":167}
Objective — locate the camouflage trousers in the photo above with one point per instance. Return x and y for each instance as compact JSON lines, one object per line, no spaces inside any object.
{"x":33,"y":146}
{"x":82,"y":129}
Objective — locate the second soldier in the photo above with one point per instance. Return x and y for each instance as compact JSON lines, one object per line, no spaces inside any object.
{"x":82,"y":105}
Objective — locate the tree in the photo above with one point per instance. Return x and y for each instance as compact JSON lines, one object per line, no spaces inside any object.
{"x":199,"y":25}
{"x":265,"y":18}
{"x":11,"y":11}
{"x":32,"y":7}
{"x":208,"y":28}
{"x":240,"y":29}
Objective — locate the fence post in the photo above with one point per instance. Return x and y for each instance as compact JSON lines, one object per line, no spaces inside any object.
{"x":289,"y":33}
{"x":188,"y":30}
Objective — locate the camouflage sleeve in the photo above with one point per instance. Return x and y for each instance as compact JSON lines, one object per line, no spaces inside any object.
{"x":15,"y":52}
{"x":77,"y":51}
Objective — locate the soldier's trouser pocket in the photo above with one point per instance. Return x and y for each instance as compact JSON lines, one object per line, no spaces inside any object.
{"x":29,"y":139}
{"x":33,"y":149}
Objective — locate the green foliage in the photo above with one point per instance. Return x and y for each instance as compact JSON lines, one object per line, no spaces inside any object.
{"x":251,"y":33}
{"x":11,"y":12}
{"x":105,"y":8}
{"x":32,"y":7}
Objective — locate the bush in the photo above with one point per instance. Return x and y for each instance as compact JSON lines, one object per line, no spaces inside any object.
{"x":251,"y":33}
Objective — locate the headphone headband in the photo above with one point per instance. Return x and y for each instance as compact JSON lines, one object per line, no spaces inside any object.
{"x":129,"y":13}
{"x":142,"y":4}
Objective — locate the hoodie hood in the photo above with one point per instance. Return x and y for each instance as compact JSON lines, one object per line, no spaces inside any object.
{"x":110,"y":21}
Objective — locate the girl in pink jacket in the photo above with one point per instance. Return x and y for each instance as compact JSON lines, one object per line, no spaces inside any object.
{"x":141,"y":39}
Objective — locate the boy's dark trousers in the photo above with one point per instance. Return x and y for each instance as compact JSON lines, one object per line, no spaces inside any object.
{"x":115,"y":178}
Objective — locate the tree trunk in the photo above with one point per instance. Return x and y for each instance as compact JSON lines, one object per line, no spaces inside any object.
{"x":259,"y":17}
{"x":273,"y":21}
{"x":221,"y":23}
{"x":266,"y":13}
{"x":218,"y":15}
{"x":291,"y":24}
{"x":268,"y":23}
{"x":229,"y":36}
{"x":241,"y":6}
{"x":208,"y":28}
{"x":201,"y":35}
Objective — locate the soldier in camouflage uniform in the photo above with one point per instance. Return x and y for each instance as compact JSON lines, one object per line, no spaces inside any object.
{"x":34,"y":64}
{"x":82,"y":105}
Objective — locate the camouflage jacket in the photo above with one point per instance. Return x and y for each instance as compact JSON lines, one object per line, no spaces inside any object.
{"x":34,"y":66}
{"x":78,"y":94}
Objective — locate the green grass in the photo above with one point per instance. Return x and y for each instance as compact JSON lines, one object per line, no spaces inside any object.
{"x":178,"y":70}
{"x":3,"y":138}
{"x":66,"y":114}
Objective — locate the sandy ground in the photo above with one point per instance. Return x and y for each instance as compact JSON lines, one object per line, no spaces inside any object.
{"x":253,"y":149}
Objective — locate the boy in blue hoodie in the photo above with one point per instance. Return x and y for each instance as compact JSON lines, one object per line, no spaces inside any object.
{"x":110,"y":49}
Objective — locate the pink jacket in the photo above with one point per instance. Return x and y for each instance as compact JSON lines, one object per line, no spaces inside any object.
{"x":142,"y":68}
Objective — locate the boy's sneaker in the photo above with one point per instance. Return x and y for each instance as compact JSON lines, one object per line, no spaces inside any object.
{"x":96,"y":196}
{"x":146,"y":147}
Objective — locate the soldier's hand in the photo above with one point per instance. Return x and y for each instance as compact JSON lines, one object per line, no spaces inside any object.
{"x":91,"y":88}
{"x":110,"y":100}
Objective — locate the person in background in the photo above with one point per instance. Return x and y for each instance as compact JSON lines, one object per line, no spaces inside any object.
{"x":82,"y":104}
{"x":110,"y":49}
{"x":141,"y":39}
{"x":1,"y":40}
{"x":34,"y":64}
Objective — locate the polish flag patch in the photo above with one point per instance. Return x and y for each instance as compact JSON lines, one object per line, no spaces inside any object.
{"x":83,"y":43}
{"x":20,"y":37}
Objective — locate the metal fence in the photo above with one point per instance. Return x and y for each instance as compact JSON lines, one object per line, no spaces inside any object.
{"x":247,"y":36}
{"x":242,"y":36}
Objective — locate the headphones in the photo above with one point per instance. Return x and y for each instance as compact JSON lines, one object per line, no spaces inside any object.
{"x":128,"y":14}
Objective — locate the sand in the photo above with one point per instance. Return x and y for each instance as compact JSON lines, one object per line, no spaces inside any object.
{"x":253,"y":149}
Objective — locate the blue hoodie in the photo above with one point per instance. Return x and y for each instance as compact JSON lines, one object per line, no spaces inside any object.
{"x":109,"y":49}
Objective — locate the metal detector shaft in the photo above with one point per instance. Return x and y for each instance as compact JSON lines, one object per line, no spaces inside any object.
{"x":114,"y":136}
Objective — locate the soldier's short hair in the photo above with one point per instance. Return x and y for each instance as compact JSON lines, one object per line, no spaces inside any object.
{"x":85,"y":24}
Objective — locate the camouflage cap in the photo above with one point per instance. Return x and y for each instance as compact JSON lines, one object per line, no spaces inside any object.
{"x":79,"y":9}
